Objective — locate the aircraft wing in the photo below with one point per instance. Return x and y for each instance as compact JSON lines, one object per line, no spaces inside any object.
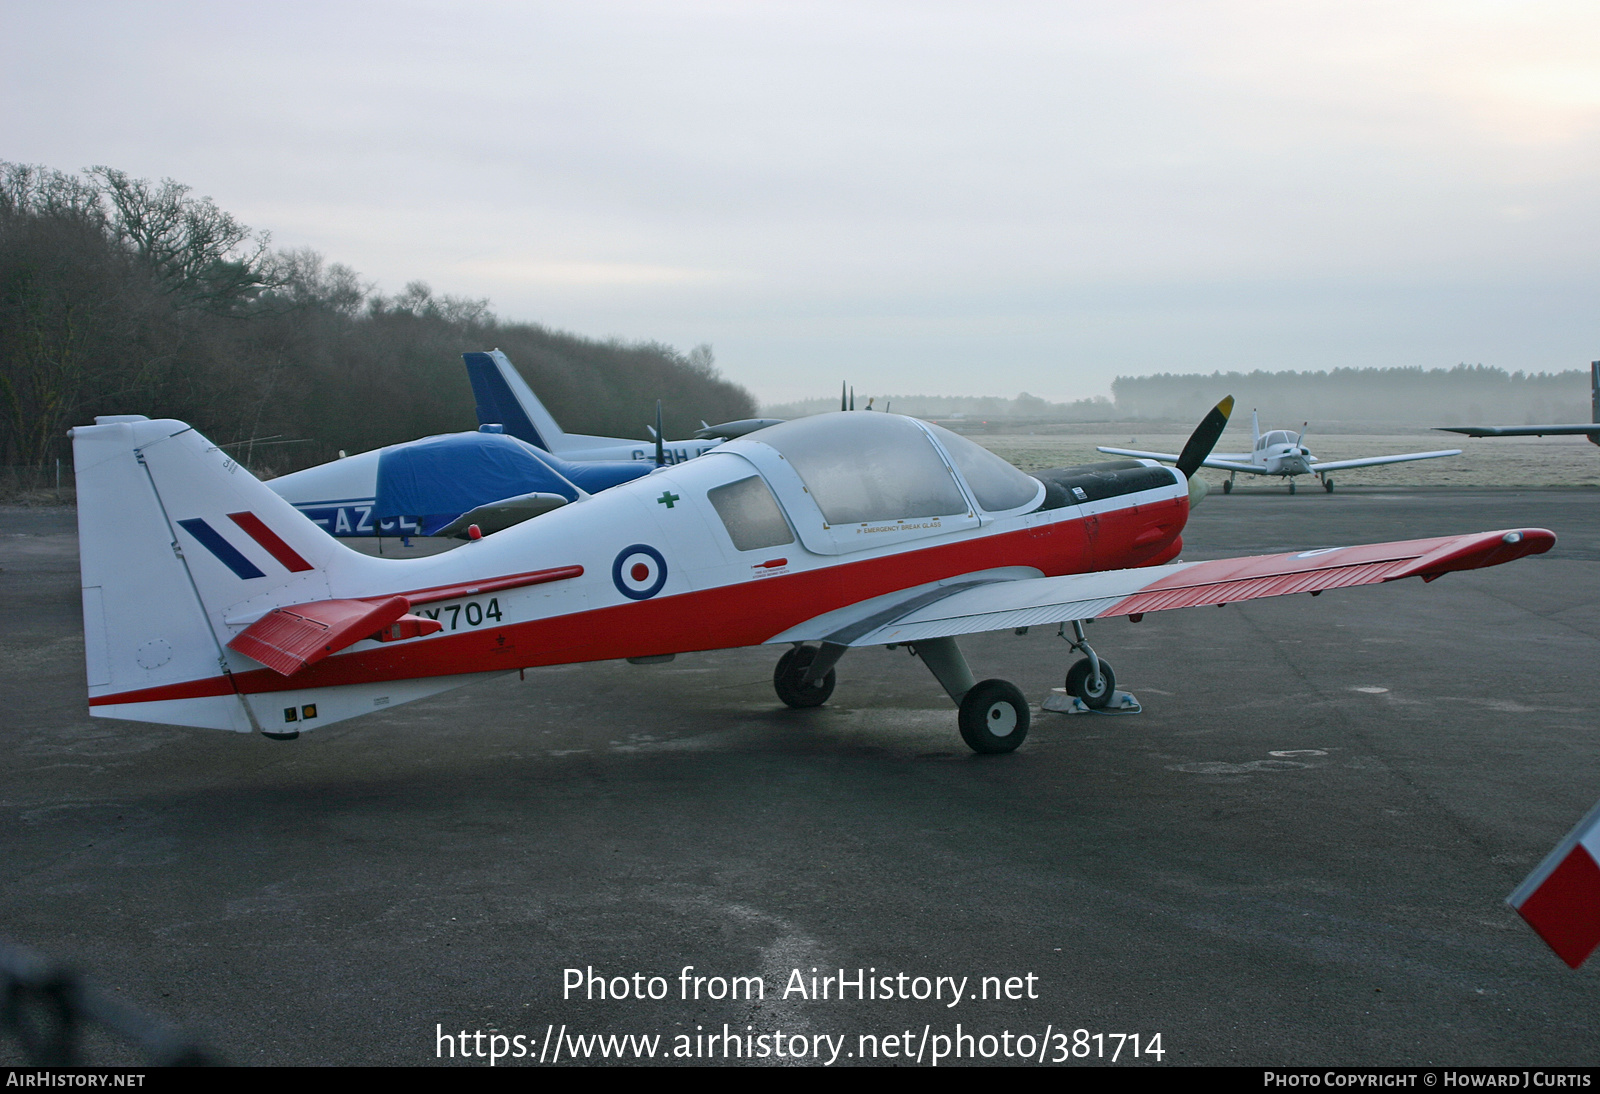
{"x":497,"y":516}
{"x":1000,"y":604}
{"x":1372,"y":461}
{"x":1591,"y":430}
{"x":1225,"y":461}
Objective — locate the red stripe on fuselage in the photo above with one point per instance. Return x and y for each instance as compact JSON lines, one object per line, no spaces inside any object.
{"x":746,"y":612}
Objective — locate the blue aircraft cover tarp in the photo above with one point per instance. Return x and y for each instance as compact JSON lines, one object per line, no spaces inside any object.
{"x":437,"y":479}
{"x":459,"y":471}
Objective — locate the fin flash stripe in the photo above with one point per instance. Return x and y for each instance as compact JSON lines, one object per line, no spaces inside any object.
{"x":257,"y":530}
{"x":226,"y":553}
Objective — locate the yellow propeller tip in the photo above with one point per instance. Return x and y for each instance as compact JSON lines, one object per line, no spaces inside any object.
{"x":1226,"y":406}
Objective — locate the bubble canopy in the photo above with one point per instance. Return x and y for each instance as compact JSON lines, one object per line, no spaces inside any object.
{"x":862,"y":467}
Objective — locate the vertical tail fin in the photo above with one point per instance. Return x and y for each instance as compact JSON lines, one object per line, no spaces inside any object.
{"x":504,"y":398}
{"x":1255,"y":429}
{"x":1594,"y":397}
{"x":174,"y":538}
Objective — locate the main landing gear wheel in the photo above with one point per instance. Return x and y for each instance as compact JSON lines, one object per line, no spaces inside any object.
{"x":1327,"y":484}
{"x":994,"y":717}
{"x":788,"y":677}
{"x":1291,"y":486}
{"x":1081,"y":684}
{"x":1227,"y":486}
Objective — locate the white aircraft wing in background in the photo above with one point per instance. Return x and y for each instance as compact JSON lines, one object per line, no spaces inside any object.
{"x":1372,"y":461}
{"x":1224,"y":461}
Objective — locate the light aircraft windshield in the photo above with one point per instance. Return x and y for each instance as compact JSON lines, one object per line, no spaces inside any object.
{"x":996,"y":484}
{"x":860,"y":467}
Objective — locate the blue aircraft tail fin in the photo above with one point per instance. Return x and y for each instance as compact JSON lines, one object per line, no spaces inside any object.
{"x":504,"y":398}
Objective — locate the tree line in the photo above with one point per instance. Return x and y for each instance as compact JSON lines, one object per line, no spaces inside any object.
{"x":1463,"y":395}
{"x":125,"y":296}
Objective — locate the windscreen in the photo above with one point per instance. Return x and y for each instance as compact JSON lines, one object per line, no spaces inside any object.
{"x":996,"y":484}
{"x":867,"y":467}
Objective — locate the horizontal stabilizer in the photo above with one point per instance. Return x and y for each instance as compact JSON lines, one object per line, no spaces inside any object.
{"x":286,"y":640}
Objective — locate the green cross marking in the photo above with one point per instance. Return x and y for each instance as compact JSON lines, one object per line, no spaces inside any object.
{"x":668,"y":498}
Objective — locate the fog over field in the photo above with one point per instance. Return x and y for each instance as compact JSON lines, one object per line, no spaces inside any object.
{"x":1494,"y":462}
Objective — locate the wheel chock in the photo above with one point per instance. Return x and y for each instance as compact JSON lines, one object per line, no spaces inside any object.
{"x":1062,"y":703}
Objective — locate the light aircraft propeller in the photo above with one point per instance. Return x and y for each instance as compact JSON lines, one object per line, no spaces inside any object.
{"x":1199,"y":446}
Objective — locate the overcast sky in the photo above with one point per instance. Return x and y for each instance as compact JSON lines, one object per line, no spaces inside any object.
{"x":976,"y":198}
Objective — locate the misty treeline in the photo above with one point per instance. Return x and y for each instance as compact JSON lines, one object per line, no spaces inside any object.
{"x":123,"y":296}
{"x":1463,"y":395}
{"x":1024,"y":406}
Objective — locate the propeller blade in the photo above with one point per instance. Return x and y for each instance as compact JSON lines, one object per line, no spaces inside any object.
{"x":1204,"y":438}
{"x":661,"y":447}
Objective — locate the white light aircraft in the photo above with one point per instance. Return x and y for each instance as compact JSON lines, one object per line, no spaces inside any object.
{"x":208,"y":600}
{"x":1283,"y":453}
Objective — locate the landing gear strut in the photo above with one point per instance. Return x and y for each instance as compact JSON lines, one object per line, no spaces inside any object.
{"x":994,"y":715}
{"x":1090,"y":679}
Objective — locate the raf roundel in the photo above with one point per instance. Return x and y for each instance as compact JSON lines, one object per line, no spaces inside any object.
{"x":639,"y":572}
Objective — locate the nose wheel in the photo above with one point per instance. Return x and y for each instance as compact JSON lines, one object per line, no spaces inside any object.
{"x":1095,"y":689}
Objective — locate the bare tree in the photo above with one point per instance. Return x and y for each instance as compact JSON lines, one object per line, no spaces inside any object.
{"x":201,"y":254}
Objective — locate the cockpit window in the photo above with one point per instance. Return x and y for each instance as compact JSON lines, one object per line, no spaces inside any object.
{"x":867,"y":467}
{"x":751,"y":514}
{"x":995,"y":483}
{"x":1277,"y":436}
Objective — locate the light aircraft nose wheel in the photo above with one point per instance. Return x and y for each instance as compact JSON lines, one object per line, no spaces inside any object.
{"x":994,"y":717}
{"x":1080,"y":682}
{"x":1327,"y":484}
{"x":788,"y":677}
{"x":1291,"y":486}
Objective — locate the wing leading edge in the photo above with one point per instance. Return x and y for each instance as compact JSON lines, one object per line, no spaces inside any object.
{"x":1225,"y":461}
{"x":1026,"y":602}
{"x":1373,"y":461}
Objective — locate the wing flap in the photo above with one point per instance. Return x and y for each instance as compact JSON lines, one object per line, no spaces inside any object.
{"x":1036,"y":601}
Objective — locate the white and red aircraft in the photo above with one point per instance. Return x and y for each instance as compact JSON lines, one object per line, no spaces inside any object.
{"x":210,"y":601}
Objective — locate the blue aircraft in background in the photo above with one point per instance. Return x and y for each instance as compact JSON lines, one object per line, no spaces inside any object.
{"x":519,"y":464}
